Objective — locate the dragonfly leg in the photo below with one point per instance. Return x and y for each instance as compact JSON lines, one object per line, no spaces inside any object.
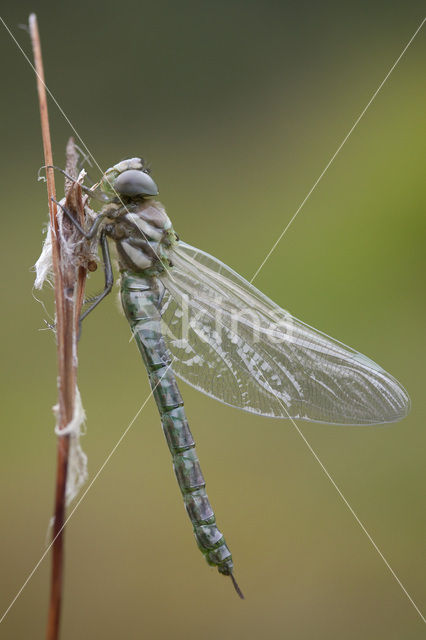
{"x":109,"y":275}
{"x":96,"y":194}
{"x":84,"y":158}
{"x":92,"y":231}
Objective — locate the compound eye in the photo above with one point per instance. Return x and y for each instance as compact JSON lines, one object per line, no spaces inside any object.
{"x":135,"y":183}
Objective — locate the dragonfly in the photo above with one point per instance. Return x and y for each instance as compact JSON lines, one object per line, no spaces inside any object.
{"x":194,"y":318}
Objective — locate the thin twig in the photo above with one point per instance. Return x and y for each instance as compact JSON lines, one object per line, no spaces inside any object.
{"x":74,"y":204}
{"x":67,"y":313}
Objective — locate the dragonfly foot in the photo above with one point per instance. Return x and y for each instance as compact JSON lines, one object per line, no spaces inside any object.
{"x":50,"y":326}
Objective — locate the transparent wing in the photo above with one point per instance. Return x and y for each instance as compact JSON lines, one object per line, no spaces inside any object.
{"x":233,"y":343}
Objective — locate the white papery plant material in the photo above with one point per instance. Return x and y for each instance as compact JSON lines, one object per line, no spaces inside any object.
{"x":77,"y":460}
{"x":43,"y":266}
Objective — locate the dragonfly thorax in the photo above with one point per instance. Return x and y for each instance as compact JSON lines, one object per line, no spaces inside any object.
{"x":143,"y":235}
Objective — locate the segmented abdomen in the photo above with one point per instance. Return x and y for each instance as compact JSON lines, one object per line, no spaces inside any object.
{"x":140,"y":299}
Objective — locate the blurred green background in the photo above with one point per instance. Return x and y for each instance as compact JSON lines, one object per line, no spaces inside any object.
{"x":238,"y":106}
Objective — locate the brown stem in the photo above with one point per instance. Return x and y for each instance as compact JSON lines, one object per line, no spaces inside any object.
{"x":74,"y":203}
{"x":67,"y":311}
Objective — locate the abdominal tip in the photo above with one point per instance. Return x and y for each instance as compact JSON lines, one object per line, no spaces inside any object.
{"x":236,"y":587}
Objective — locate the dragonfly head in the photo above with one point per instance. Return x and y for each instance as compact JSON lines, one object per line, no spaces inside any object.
{"x":130,"y":179}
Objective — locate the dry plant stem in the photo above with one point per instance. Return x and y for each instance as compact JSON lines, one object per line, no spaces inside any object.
{"x":74,"y":204}
{"x":65,"y":282}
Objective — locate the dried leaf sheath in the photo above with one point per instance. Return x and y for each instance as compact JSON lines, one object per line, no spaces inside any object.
{"x":74,"y":257}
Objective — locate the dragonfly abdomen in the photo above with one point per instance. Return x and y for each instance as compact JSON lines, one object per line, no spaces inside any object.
{"x":140,"y":298}
{"x":191,"y":481}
